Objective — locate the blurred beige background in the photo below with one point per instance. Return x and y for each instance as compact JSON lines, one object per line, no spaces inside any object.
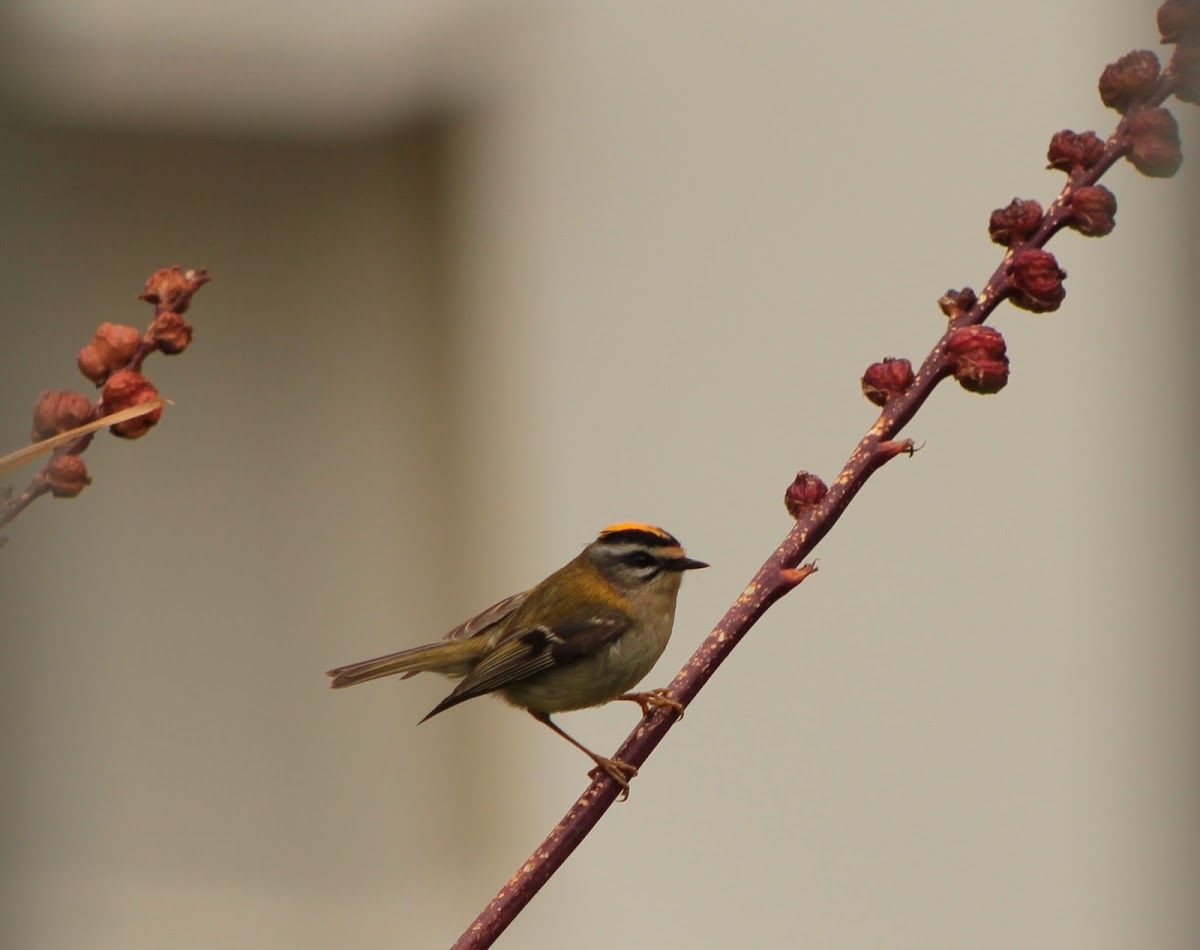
{"x":491,"y":274}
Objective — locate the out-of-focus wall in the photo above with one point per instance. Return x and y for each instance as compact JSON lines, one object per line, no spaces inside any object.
{"x":632,"y":269}
{"x":178,"y":772}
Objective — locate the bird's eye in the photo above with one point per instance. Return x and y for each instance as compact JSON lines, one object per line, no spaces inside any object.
{"x":640,"y":559}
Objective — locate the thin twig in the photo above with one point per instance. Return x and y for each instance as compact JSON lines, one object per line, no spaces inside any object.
{"x":28,"y":453}
{"x":13,"y":506}
{"x":129,"y":404}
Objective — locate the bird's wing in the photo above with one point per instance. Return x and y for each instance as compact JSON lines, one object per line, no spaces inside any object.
{"x":482,"y":622}
{"x":523,"y":653}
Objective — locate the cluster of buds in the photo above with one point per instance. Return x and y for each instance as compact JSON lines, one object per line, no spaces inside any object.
{"x":116,"y":346}
{"x":114,"y":358}
{"x":1135,"y":83}
{"x":1148,"y":137}
{"x":113,"y":361}
{"x":1031,"y":277}
{"x":1179,"y":23}
{"x":57,"y":411}
{"x":1036,"y":280}
{"x":171,"y":291}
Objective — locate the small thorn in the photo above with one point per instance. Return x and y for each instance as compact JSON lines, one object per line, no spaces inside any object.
{"x":890,"y":450}
{"x":791,"y":576}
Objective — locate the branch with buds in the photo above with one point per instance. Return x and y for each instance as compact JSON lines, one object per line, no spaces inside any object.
{"x":974,"y":355}
{"x":64,"y":421}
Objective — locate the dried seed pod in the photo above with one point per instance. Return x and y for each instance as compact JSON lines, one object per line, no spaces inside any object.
{"x":1093,"y":210}
{"x":58,"y":410}
{"x":67,"y":476}
{"x":170,"y":332}
{"x":111,"y":349}
{"x":123,"y":390}
{"x":805,"y":491}
{"x":1072,"y":152}
{"x":172,"y":287}
{"x":886,"y":379}
{"x":979,"y":358}
{"x":1130,"y":80}
{"x":1156,"y":150}
{"x":1015,"y":223}
{"x":1037,"y":280}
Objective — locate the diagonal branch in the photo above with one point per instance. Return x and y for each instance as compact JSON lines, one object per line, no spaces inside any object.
{"x":973,"y":354}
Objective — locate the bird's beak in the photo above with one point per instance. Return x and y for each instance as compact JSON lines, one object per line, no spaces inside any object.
{"x":688,"y":564}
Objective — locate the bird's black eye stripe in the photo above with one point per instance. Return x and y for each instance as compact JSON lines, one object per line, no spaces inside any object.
{"x":640,"y":559}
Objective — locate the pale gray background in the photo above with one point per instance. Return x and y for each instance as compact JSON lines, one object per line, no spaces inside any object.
{"x":492,"y":274}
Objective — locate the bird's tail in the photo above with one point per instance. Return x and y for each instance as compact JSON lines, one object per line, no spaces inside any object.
{"x":453,"y":657}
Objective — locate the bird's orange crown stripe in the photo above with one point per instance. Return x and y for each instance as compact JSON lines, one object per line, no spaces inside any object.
{"x":631,"y":532}
{"x":635,"y":526}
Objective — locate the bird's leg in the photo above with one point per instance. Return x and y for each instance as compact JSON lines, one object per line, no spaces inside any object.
{"x":655,"y":699}
{"x":620,"y":772}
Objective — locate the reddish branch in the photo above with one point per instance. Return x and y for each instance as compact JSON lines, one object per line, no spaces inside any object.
{"x":113,"y":361}
{"x":973,"y":354}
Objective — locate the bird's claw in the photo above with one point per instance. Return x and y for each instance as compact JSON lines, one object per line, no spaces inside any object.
{"x":655,"y":699}
{"x":620,"y":772}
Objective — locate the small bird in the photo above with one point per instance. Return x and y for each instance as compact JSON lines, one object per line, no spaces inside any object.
{"x":582,"y":637}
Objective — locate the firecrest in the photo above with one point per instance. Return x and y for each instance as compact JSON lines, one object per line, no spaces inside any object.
{"x":584,"y":636}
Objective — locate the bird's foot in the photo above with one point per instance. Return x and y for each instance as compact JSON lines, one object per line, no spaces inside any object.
{"x":655,"y":699}
{"x":620,"y":772}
